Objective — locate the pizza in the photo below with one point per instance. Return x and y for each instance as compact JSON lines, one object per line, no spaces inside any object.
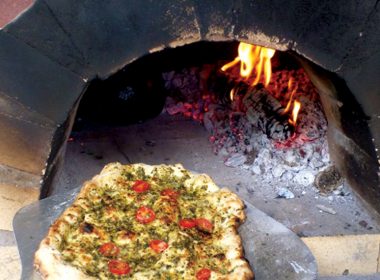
{"x":140,"y":221}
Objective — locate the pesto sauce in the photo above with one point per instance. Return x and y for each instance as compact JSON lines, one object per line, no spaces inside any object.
{"x":116,"y":214}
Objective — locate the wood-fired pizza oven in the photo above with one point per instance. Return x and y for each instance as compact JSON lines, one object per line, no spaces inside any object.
{"x":57,"y":50}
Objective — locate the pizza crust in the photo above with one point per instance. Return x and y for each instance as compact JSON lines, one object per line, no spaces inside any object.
{"x":49,"y":261}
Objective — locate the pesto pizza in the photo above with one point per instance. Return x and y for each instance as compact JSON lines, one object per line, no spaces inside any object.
{"x":146,"y":222}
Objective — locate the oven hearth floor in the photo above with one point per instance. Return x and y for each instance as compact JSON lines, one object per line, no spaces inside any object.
{"x":170,"y":140}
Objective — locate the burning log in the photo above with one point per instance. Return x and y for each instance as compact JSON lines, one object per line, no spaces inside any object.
{"x":267,"y":113}
{"x":262,"y":108}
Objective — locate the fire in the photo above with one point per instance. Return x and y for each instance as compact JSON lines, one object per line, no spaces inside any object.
{"x":296,"y":104}
{"x":232,"y":93}
{"x":256,"y":60}
{"x":290,"y":84}
{"x":253,"y":59}
{"x":296,"y":109}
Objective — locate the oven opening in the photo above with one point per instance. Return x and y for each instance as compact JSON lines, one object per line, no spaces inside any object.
{"x":283,"y":133}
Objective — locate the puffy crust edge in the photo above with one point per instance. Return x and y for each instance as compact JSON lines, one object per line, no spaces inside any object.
{"x":231,"y":238}
{"x":48,"y":260}
{"x":49,"y":264}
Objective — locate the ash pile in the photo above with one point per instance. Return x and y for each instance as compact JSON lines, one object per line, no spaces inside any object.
{"x":252,"y":127}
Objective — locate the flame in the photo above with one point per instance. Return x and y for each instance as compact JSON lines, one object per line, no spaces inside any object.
{"x":253,"y":59}
{"x":296,"y":109}
{"x":266,"y":55}
{"x":232,"y":93}
{"x":257,"y":60}
{"x":290,"y":101}
{"x":230,"y":64}
{"x":290,"y":85}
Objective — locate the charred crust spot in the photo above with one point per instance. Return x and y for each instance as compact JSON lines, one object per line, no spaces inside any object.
{"x":220,"y":256}
{"x":87,"y":228}
{"x":190,"y":264}
{"x":204,"y":234}
{"x":141,"y":197}
{"x":166,"y":220}
{"x":129,"y":234}
{"x":107,"y":199}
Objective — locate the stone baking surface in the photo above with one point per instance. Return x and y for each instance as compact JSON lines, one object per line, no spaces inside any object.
{"x":174,"y":139}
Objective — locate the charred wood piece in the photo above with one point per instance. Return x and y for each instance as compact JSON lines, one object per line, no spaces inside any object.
{"x":220,"y":85}
{"x":262,"y":108}
{"x":267,"y":113}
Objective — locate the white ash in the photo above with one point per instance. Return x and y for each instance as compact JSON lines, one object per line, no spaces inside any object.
{"x":291,"y":164}
{"x":235,"y":160}
{"x":285,"y":193}
{"x":326,"y":209}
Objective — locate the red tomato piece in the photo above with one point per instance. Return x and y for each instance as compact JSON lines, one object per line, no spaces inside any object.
{"x":141,"y":186}
{"x":203,"y":274}
{"x":172,"y":194}
{"x":158,"y":245}
{"x":109,"y":249}
{"x":204,"y":225}
{"x":118,"y":267}
{"x":145,"y":215}
{"x":187,"y":223}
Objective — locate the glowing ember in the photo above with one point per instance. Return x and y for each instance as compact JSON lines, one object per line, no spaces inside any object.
{"x":290,"y":83}
{"x":253,"y":58}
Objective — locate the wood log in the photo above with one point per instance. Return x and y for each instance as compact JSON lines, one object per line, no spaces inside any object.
{"x":262,"y":108}
{"x":266,"y":112}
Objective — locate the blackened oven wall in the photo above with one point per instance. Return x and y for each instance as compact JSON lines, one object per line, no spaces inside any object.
{"x":49,"y":54}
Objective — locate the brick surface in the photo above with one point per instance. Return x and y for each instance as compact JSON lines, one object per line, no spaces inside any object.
{"x":10,"y":9}
{"x":352,"y":254}
{"x":10,"y":266}
{"x":13,"y":198}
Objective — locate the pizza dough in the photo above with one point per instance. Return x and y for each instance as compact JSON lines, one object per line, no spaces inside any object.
{"x":147,"y":222}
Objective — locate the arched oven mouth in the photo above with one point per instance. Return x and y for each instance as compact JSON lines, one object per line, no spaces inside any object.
{"x":180,"y":106}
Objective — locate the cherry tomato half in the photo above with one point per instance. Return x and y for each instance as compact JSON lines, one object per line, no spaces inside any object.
{"x":204,"y":225}
{"x":158,"y":245}
{"x":141,"y":186}
{"x":203,"y":274}
{"x":118,"y":267}
{"x":187,"y":223}
{"x":109,"y":249}
{"x":172,"y":194}
{"x":145,"y":215}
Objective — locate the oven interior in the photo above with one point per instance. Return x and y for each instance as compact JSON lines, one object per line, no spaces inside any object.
{"x":178,"y":106}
